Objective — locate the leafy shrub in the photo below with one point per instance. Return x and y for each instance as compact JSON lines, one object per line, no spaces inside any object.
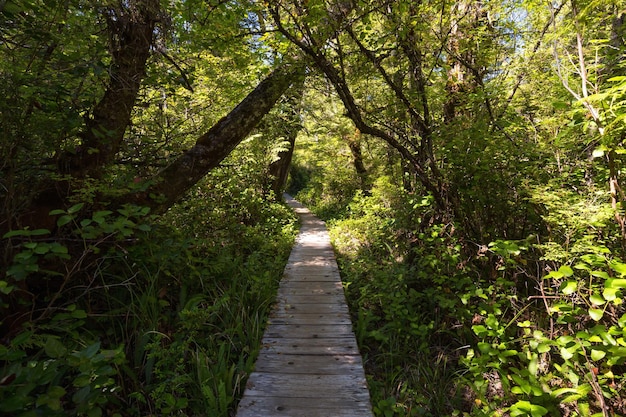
{"x":145,"y":315}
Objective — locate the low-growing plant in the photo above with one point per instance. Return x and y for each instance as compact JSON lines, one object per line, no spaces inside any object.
{"x":149,"y":315}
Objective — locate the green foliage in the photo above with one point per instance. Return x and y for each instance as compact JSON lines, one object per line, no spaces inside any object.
{"x":397,"y":279}
{"x":182,"y":301}
{"x":53,"y":374}
{"x":570,"y":363}
{"x":323,"y":175}
{"x":519,"y":346}
{"x":484,"y":263}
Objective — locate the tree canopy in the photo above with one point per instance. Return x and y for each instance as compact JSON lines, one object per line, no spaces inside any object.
{"x":467,"y":155}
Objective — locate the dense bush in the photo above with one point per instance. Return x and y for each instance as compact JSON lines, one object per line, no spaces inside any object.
{"x":148,"y":315}
{"x":514,"y":328}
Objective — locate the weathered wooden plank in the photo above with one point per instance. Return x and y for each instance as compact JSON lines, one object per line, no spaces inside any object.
{"x":313,"y":269}
{"x":292,"y":346}
{"x":318,"y":264}
{"x":311,"y":299}
{"x":331,"y":289}
{"x":310,"y":277}
{"x":304,"y":318}
{"x":313,"y":331}
{"x":324,"y":253}
{"x":349,"y":387}
{"x":309,"y":364}
{"x":302,"y":407}
{"x":310,"y":308}
{"x":295,"y":284}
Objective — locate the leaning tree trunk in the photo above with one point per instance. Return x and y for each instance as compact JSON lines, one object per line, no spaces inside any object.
{"x":215,"y":145}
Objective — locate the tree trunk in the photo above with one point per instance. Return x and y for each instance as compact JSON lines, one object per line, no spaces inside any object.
{"x":354,"y":143}
{"x":291,"y":125}
{"x":131,"y":29}
{"x":215,"y":145}
{"x":279,"y":169}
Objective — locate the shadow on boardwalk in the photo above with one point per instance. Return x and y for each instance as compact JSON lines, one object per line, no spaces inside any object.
{"x":309,"y":364}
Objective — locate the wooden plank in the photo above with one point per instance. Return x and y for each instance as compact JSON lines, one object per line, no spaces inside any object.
{"x":301,"y":318}
{"x":313,"y":270}
{"x":305,"y":254}
{"x":303,"y":276}
{"x":349,"y":387}
{"x":309,"y":364}
{"x":292,"y":346}
{"x":311,"y":299}
{"x":295,"y":284}
{"x":309,"y":261}
{"x":310,"y":290}
{"x":302,"y":407}
{"x":310,"y":319}
{"x":310,"y":308}
{"x":313,"y":331}
{"x":316,"y":288}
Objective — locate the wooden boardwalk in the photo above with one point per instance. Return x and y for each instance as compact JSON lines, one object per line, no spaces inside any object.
{"x":309,"y":364}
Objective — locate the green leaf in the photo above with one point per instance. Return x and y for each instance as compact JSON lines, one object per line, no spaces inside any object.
{"x":582,"y":266}
{"x":52,"y":398}
{"x":598,"y":153}
{"x":21,"y":338}
{"x":610,"y":294}
{"x":554,"y":274}
{"x":75,"y":208}
{"x":94,"y":412}
{"x":618,"y":267}
{"x":543,"y":347}
{"x":596,"y":355}
{"x":81,"y":395}
{"x":42,"y":248}
{"x":597,"y":300}
{"x":569,"y":287}
{"x":54,"y":348}
{"x":5,"y":288}
{"x":12,"y":233}
{"x":566,"y":270}
{"x":525,"y":408}
{"x":63,"y":220}
{"x":90,"y":351}
{"x":39,"y":232}
{"x":600,"y":274}
{"x":82,"y":380}
{"x":566,"y":354}
{"x":615,"y":283}
{"x":596,"y":313}
{"x":533,"y":365}
{"x":479,"y":330}
{"x":560,"y":105}
{"x":79,"y":314}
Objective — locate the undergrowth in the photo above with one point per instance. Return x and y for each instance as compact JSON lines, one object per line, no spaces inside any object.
{"x":448,"y":327}
{"x":133,"y":315}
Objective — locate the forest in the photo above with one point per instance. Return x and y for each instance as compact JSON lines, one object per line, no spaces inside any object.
{"x":467,"y":157}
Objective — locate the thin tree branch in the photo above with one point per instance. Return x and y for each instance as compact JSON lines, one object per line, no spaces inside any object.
{"x":180,"y":70}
